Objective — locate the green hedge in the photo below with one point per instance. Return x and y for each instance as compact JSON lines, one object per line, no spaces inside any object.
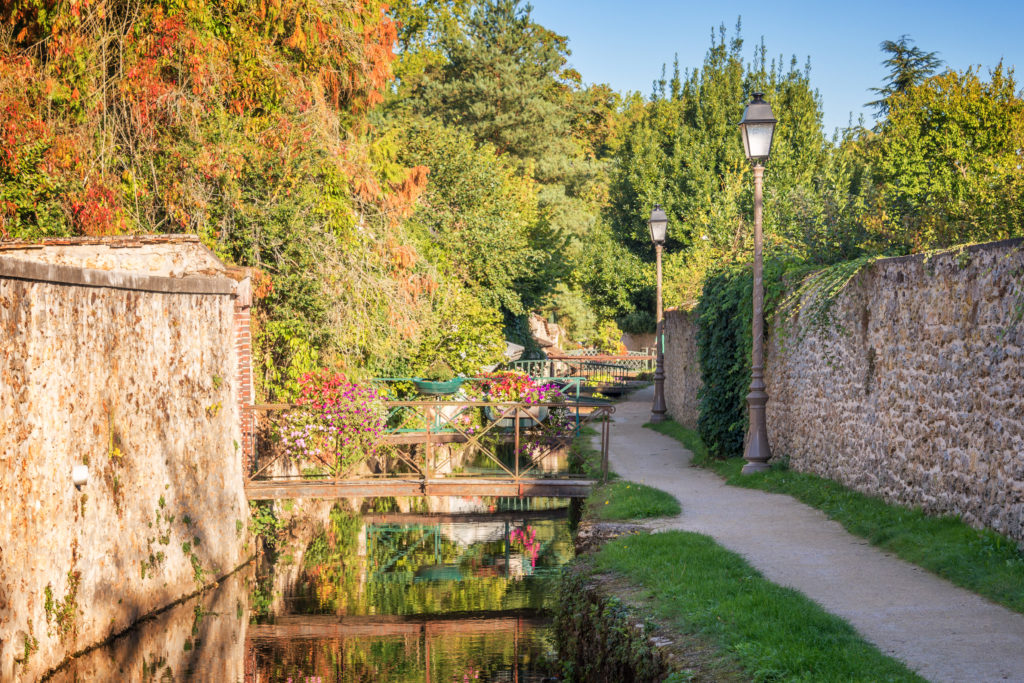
{"x":724,"y":340}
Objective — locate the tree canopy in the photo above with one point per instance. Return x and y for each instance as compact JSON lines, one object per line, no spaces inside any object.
{"x":908,"y":66}
{"x":410,"y":182}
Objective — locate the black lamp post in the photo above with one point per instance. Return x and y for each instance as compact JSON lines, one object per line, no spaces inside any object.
{"x":658,"y":224}
{"x":757,"y":128}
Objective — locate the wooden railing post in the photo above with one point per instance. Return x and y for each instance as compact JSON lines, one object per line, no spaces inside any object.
{"x":604,"y":452}
{"x":515,"y":453}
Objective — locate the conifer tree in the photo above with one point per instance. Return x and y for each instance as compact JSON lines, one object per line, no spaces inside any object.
{"x":908,"y":66}
{"x":500,"y":82}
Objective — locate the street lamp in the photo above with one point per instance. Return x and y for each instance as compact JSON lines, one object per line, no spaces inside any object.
{"x":658,"y":224}
{"x":757,"y":128}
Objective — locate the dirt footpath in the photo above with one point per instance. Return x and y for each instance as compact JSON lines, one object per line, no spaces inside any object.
{"x":943,"y":632}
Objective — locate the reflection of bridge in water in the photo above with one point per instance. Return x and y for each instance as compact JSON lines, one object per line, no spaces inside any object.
{"x":423,"y":634}
{"x":319,"y":626}
{"x":445,"y":448}
{"x":391,"y":537}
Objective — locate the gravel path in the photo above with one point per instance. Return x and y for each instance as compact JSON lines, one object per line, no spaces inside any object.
{"x":943,"y":632}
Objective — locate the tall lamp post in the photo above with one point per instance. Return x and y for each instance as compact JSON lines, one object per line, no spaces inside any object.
{"x":757,"y":128}
{"x":658,"y":224}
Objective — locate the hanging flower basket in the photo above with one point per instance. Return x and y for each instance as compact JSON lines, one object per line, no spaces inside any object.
{"x":435,"y":388}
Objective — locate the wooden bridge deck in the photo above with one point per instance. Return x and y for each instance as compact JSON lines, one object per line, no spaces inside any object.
{"x":451,"y":486}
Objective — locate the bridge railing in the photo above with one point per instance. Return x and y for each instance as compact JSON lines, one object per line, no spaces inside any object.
{"x":620,"y":368}
{"x":508,"y":440}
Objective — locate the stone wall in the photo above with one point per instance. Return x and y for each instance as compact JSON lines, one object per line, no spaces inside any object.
{"x":126,"y":362}
{"x":914,"y":393}
{"x":637,"y":342}
{"x":682,"y":367}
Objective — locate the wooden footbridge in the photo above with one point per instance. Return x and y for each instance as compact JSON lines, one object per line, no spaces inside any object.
{"x":506,"y":449}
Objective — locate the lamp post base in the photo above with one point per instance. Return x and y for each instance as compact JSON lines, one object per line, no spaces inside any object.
{"x":758,"y":452}
{"x":659,"y":408}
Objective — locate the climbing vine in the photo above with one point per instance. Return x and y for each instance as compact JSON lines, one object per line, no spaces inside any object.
{"x":724,"y":336}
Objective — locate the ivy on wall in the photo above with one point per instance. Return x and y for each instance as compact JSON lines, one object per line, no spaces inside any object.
{"x":724,"y":343}
{"x":725,"y":339}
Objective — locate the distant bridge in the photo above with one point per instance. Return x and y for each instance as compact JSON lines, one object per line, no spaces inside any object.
{"x":512,"y":451}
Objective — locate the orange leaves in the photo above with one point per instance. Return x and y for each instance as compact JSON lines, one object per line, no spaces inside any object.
{"x":97,"y":212}
{"x":401,"y":202}
{"x":262,"y":284}
{"x":402,"y":255}
{"x":379,"y":42}
{"x":297,"y":40}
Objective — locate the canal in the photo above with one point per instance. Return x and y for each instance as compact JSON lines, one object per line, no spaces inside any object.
{"x":418,"y":589}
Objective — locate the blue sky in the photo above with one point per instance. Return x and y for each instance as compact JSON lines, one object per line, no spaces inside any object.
{"x":624,"y":43}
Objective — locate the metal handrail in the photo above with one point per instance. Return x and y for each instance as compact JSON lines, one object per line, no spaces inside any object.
{"x":441,"y":427}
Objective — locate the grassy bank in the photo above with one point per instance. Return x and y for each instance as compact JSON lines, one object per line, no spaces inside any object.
{"x":979,"y":560}
{"x":622,"y":500}
{"x":774,"y":633}
{"x":720,"y":608}
{"x":618,"y":499}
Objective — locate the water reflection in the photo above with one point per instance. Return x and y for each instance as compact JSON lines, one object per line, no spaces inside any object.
{"x":442,"y":589}
{"x":201,"y":639}
{"x":410,"y":593}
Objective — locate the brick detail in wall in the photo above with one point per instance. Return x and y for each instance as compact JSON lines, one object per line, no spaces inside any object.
{"x":243,"y":377}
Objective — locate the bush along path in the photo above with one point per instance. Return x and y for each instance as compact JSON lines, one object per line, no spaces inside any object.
{"x":939,"y":630}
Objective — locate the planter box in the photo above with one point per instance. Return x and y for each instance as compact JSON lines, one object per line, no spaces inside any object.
{"x":431,"y":388}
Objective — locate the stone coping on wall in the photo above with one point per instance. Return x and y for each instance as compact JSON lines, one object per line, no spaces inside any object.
{"x":966,"y":248}
{"x":178,"y":264}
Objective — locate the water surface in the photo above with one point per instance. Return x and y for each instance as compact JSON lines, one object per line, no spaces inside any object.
{"x":440,"y":589}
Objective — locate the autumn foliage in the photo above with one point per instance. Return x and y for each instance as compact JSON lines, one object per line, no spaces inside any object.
{"x":245,"y":123}
{"x":132,"y":117}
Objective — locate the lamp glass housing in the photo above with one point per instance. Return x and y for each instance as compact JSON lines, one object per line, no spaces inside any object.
{"x":658,"y":224}
{"x":758,"y":129}
{"x":757,"y":140}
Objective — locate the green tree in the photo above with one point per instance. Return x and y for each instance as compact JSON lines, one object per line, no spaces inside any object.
{"x":908,"y":66}
{"x":947,"y":163}
{"x":478,"y":218}
{"x":500,"y":81}
{"x":685,"y":153}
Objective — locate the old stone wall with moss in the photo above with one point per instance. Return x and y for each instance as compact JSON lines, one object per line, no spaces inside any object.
{"x":911,"y":388}
{"x":682,"y":367}
{"x":118,"y":359}
{"x":914,"y":388}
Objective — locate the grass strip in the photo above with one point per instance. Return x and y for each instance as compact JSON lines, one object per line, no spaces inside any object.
{"x":622,"y":500}
{"x":619,"y":499}
{"x":979,"y":560}
{"x":775,"y":633}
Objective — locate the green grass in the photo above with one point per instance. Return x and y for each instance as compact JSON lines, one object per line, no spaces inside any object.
{"x":982,"y":561}
{"x":622,"y":500}
{"x":584,"y":458}
{"x":618,"y":500}
{"x":775,"y":633}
